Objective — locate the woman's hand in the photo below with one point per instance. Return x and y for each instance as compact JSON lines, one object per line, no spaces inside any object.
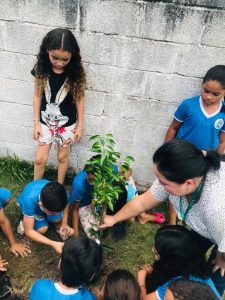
{"x":219,"y":263}
{"x":37,"y":131}
{"x":109,"y":221}
{"x":20,"y":249}
{"x":78,"y":134}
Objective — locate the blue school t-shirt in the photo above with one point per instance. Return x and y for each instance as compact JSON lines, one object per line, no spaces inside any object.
{"x":82,"y":189}
{"x":46,"y":289}
{"x":5,"y":196}
{"x":197,"y":126}
{"x":29,"y":198}
{"x":162,"y":289}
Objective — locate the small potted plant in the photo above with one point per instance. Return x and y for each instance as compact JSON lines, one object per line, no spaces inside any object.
{"x":106,"y":182}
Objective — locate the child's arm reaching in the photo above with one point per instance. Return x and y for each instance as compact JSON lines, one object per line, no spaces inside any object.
{"x":75,"y":216}
{"x":39,"y":237}
{"x":221,"y":146}
{"x":15,"y":247}
{"x":172,"y":130}
{"x":65,"y":226}
{"x":141,"y":278}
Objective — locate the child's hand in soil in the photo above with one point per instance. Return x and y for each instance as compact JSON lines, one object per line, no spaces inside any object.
{"x":20,"y":249}
{"x":57,"y":246}
{"x":65,"y":231}
{"x":2,"y":264}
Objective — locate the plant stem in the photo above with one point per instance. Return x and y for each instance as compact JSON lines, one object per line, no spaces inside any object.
{"x":103,"y":213}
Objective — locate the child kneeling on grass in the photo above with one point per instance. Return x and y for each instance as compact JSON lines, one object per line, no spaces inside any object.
{"x":177,"y":256}
{"x":122,"y":285}
{"x":79,"y":264}
{"x":42,"y":202}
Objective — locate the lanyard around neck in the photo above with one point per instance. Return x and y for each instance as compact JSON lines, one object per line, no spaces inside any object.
{"x":194,"y":199}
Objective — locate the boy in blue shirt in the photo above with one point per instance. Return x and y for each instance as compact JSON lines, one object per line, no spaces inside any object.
{"x":79,"y":264}
{"x":16,"y":248}
{"x":42,"y":202}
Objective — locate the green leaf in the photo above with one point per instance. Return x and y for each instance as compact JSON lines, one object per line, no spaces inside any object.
{"x":110,"y":206}
{"x":109,"y":135}
{"x":129,"y":159}
{"x":94,"y":137}
{"x":110,"y":142}
{"x":124,"y":167}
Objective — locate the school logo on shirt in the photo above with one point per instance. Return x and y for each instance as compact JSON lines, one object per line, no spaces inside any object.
{"x":219,"y":123}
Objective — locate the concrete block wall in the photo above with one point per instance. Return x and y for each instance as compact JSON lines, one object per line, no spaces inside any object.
{"x":141,"y":57}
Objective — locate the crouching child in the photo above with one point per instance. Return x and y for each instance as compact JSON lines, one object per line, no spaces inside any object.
{"x":42,"y":202}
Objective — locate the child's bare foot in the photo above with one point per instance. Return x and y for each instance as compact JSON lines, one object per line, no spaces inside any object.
{"x":151,"y":217}
{"x":20,"y":230}
{"x":144,"y":218}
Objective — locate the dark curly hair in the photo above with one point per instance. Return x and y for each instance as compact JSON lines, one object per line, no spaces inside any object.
{"x":63,"y":39}
{"x":179,"y":256}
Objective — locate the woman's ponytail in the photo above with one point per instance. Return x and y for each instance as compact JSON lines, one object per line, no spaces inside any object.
{"x":213,"y":159}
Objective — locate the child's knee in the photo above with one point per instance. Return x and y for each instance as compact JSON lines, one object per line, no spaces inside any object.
{"x":43,"y":229}
{"x":40,"y":160}
{"x":62,"y":158}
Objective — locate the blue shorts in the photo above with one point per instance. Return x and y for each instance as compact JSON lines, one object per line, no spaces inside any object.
{"x":131,"y":192}
{"x":5,"y":196}
{"x":43,"y":220}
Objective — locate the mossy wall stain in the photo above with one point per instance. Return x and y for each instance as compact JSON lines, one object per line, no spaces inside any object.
{"x":174,"y":14}
{"x":69,"y":9}
{"x":202,"y":3}
{"x":175,"y":11}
